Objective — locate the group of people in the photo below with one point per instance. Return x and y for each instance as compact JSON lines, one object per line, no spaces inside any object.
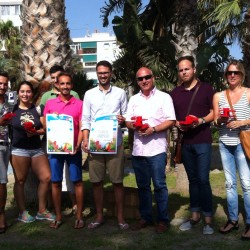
{"x":161,"y":111}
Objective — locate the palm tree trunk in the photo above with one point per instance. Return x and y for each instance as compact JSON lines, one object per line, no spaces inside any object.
{"x":45,"y":38}
{"x":185,"y":44}
{"x":45,"y":41}
{"x":185,"y":28}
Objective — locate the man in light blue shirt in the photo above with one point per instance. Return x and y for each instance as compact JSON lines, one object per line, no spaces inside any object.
{"x":105,"y":99}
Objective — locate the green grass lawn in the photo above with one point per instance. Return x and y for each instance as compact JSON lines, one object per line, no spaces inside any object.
{"x":38,"y":235}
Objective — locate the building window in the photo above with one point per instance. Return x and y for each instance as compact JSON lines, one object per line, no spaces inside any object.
{"x":106,"y":45}
{"x":10,"y":10}
{"x":90,"y":63}
{"x":89,"y":51}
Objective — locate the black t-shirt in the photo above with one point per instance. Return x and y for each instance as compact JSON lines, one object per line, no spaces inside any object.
{"x":19,"y":136}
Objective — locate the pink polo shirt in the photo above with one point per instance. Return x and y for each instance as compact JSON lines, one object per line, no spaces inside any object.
{"x":156,"y":108}
{"x":73,"y":108}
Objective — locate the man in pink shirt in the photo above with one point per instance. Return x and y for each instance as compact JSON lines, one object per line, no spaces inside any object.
{"x":66,"y":104}
{"x":150,"y":145}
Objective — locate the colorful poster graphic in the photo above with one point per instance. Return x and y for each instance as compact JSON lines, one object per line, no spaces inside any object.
{"x":103,"y":135}
{"x":60,"y":134}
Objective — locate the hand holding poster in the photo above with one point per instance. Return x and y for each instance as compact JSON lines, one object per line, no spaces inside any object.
{"x":103,"y":135}
{"x":60,"y":134}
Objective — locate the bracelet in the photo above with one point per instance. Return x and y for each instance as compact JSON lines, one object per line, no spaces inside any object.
{"x":154,"y":130}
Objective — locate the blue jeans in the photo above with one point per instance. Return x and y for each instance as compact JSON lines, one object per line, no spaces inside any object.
{"x":147,"y":168}
{"x":197,"y":159}
{"x":233,"y":159}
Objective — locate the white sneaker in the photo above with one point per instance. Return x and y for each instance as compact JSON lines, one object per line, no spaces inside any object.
{"x":207,"y":229}
{"x":185,"y":226}
{"x":188,"y":225}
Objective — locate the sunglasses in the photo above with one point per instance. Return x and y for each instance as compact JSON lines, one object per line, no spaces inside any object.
{"x":229,"y":73}
{"x":147,"y":77}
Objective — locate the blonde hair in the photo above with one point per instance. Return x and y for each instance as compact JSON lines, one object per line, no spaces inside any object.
{"x":239,"y":67}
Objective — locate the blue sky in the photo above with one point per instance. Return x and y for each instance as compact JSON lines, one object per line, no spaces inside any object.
{"x":85,"y":17}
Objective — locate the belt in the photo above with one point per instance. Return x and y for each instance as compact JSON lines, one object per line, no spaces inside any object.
{"x":4,"y":143}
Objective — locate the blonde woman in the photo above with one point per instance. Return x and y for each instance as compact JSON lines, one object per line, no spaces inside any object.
{"x":232,"y":155}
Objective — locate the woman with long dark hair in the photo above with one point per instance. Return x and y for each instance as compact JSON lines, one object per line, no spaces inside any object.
{"x":26,"y":153}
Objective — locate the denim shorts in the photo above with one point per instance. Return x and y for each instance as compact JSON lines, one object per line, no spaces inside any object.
{"x":74,"y":164}
{"x":27,"y":152}
{"x":4,"y":161}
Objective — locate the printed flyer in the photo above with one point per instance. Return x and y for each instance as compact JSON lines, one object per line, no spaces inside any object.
{"x":60,"y":134}
{"x":103,"y":135}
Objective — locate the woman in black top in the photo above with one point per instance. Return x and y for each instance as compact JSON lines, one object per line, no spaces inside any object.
{"x":26,"y":152}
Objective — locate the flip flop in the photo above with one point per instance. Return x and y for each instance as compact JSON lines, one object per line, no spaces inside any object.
{"x":55,"y":224}
{"x":123,"y":226}
{"x":94,"y":224}
{"x":79,"y":224}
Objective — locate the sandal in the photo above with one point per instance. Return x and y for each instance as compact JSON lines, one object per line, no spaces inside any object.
{"x":229,"y":227}
{"x":94,"y":225}
{"x":247,"y":229}
{"x":55,"y":224}
{"x":79,"y":224}
{"x":123,"y":226}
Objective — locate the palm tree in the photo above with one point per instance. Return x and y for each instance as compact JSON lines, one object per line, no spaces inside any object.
{"x":228,"y":21}
{"x":246,"y":46}
{"x":45,"y":38}
{"x":45,"y":42}
{"x":10,"y":43}
{"x":158,"y":33}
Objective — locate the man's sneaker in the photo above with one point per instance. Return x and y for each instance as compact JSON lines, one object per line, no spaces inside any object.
{"x":185,"y":226}
{"x":188,"y":225}
{"x":46,"y":215}
{"x":207,"y":229}
{"x":25,"y":217}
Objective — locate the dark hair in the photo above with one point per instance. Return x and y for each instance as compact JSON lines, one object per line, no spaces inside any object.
{"x":25,"y":83}
{"x":63,"y":73}
{"x":55,"y":69}
{"x":4,"y":74}
{"x":189,"y":58}
{"x":105,"y":64}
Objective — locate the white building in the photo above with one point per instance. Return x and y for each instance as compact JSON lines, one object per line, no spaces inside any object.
{"x":93,"y":48}
{"x":11,"y":10}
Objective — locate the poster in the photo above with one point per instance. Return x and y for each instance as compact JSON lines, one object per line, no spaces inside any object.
{"x":60,"y":134}
{"x":103,"y":135}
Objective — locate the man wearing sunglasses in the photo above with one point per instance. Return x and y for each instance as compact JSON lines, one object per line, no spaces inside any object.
{"x":197,"y":139}
{"x":150,"y":113}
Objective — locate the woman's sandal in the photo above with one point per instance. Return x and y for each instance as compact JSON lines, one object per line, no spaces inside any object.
{"x":79,"y":224}
{"x":229,"y":227}
{"x":55,"y":224}
{"x":247,"y":229}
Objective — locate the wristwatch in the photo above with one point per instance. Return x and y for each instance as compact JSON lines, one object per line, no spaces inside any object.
{"x":203,"y":120}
